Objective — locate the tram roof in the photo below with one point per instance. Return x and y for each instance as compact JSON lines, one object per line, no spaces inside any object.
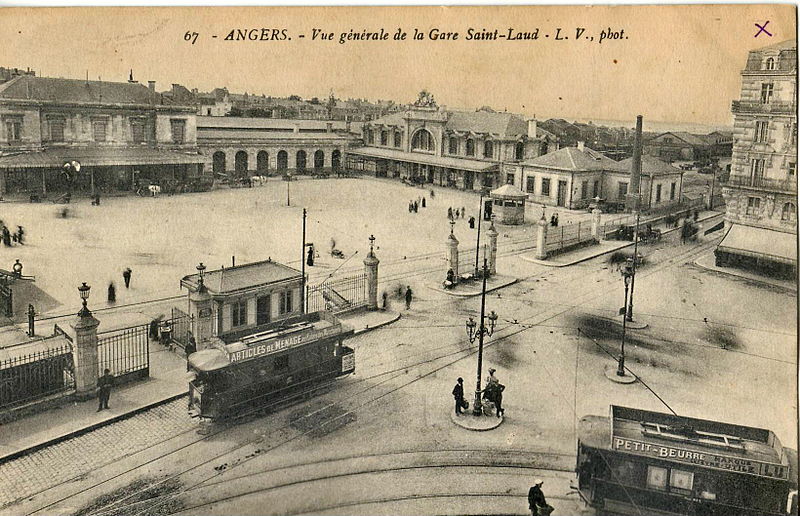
{"x":229,"y":280}
{"x":699,"y":441}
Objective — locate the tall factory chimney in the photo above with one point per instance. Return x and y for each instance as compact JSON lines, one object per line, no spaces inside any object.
{"x":633,"y":198}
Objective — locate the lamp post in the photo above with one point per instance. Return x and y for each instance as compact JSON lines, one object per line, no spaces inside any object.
{"x":288,"y":180}
{"x":627,"y":275}
{"x":83,"y":290}
{"x":478,"y":243}
{"x":473,"y":332}
{"x":629,"y":309}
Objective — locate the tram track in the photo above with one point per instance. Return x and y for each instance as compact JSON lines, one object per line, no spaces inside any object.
{"x":454,"y":356}
{"x":461,"y":354}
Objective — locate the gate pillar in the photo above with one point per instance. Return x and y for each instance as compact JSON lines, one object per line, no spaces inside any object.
{"x":84,"y":355}
{"x":371,"y":269}
{"x":597,"y":234}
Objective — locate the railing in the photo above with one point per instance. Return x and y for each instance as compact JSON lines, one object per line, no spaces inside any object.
{"x":125,"y":351}
{"x":567,"y":235}
{"x":782,"y":185}
{"x":339,"y":295}
{"x":181,"y":324}
{"x":775,"y":106}
{"x":37,"y":375}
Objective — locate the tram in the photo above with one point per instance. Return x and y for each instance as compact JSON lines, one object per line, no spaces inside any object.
{"x":649,"y":463}
{"x":287,"y":359}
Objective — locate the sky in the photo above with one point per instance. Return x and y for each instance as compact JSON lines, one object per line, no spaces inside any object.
{"x":671,"y":63}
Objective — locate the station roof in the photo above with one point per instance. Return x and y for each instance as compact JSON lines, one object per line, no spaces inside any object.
{"x":425,"y":159}
{"x":98,"y":157}
{"x":231,"y":280}
{"x":651,"y":166}
{"x":280,"y":124}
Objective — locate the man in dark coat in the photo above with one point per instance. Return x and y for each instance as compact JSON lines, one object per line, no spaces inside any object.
{"x":126,"y":275}
{"x":112,"y":293}
{"x":536,"y":501}
{"x":104,"y":384}
{"x":191,"y":347}
{"x":458,"y":394}
{"x":409,"y":297}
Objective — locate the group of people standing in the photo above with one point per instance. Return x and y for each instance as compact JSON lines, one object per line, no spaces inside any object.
{"x":112,"y":289}
{"x":455,"y":214}
{"x":554,"y":220}
{"x":492,"y":392}
{"x":9,"y":238}
{"x":414,"y":206}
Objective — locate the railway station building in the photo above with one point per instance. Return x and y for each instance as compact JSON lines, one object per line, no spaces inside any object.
{"x":431,"y":144}
{"x":121,"y":134}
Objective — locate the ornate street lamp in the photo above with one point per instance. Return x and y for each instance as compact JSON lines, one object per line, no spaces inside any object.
{"x":627,"y":276}
{"x":474,"y":331}
{"x":200,"y":270}
{"x":83,"y":290}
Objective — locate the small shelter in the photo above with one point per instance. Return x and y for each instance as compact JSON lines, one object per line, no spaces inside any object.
{"x":509,"y":204}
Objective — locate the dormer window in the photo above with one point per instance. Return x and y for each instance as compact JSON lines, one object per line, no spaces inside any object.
{"x":488,"y":149}
{"x":769,"y":64}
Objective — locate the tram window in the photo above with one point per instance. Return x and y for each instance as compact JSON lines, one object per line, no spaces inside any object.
{"x":657,"y":478}
{"x":680,"y":480}
{"x":281,"y":362}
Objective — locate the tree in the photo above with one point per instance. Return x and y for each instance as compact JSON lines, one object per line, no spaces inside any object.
{"x":235,"y":111}
{"x":295,"y":97}
{"x":314,"y":100}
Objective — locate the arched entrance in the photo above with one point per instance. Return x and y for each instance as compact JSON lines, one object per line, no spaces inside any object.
{"x":283,"y":160}
{"x":218,"y":161}
{"x":319,"y":161}
{"x":262,"y":163}
{"x":240,"y":163}
{"x":301,"y":161}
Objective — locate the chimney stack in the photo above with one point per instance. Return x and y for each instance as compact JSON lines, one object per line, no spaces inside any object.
{"x":152,"y":86}
{"x":532,"y":128}
{"x":632,"y":200}
{"x":581,"y":146}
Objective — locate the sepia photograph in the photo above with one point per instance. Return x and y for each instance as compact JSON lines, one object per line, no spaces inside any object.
{"x":399,"y":260}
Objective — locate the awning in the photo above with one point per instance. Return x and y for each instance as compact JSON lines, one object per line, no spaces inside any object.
{"x":424,"y":159}
{"x":760,"y":243}
{"x":98,"y":157}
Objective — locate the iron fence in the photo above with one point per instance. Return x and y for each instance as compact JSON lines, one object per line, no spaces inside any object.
{"x":34,"y":376}
{"x":338,"y":295}
{"x":567,"y":235}
{"x":125,"y":351}
{"x":181,"y":324}
{"x":6,"y":300}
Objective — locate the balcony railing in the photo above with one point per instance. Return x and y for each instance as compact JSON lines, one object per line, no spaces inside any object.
{"x":749,"y":106}
{"x":781,"y":185}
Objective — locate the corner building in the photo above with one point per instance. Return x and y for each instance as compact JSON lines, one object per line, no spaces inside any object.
{"x":761,"y":194}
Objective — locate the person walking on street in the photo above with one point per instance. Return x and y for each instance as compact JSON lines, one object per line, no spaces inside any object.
{"x":126,"y":275}
{"x":104,"y":385}
{"x":409,"y":297}
{"x":20,"y":235}
{"x":458,"y":394}
{"x":536,"y":500}
{"x":463,"y":212}
{"x":457,"y":213}
{"x":423,"y":202}
{"x":450,"y":213}
{"x":112,"y":293}
{"x":191,"y":347}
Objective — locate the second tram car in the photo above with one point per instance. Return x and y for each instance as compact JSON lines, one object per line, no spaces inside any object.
{"x":290,"y":358}
{"x":642,"y":462}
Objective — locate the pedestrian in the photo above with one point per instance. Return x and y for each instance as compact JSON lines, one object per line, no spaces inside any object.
{"x":126,"y":275}
{"x":492,"y":380}
{"x":104,"y":385}
{"x":498,"y":399}
{"x":310,"y":256}
{"x":471,"y":222}
{"x":416,"y":207}
{"x":463,"y":212}
{"x":112,"y":293}
{"x":458,"y":394}
{"x":695,"y":215}
{"x":385,"y":298}
{"x":20,"y":235}
{"x":6,"y":236}
{"x":450,"y":213}
{"x":153,"y":332}
{"x":191,"y":347}
{"x":423,"y":202}
{"x":432,"y":194}
{"x":536,"y":500}
{"x":457,"y":213}
{"x":410,"y":207}
{"x":409,"y":297}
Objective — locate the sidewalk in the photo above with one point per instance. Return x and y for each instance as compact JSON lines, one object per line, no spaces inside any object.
{"x":707,"y":261}
{"x":473,"y":288}
{"x":168,"y":380}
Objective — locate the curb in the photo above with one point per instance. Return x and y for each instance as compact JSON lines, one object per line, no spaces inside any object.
{"x":473,"y":294}
{"x":397,"y":317}
{"x":75,"y":433}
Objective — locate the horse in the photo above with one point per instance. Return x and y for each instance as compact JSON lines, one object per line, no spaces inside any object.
{"x":155,"y":190}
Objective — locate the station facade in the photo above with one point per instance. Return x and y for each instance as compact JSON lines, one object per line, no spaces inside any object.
{"x":236,"y":147}
{"x":430,"y":144}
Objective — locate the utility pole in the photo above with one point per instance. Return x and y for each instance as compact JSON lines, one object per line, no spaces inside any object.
{"x":303,"y":266}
